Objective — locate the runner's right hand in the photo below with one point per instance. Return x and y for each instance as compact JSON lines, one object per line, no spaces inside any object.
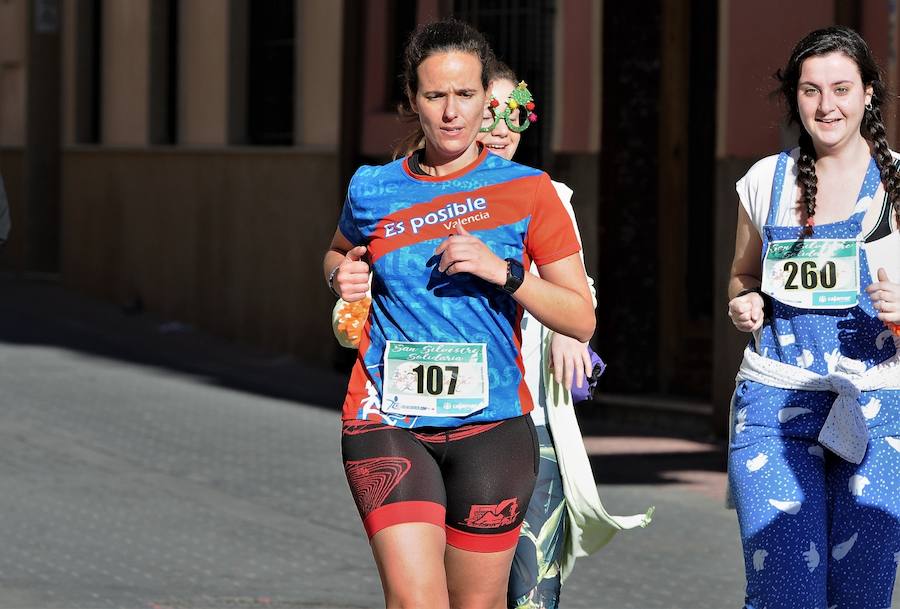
{"x":352,"y":278}
{"x":746,"y":312}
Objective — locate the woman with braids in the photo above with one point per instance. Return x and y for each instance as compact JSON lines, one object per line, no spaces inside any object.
{"x":438,"y":448}
{"x":815,"y":449}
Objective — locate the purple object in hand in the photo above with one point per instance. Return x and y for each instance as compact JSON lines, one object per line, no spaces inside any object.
{"x":588,"y":385}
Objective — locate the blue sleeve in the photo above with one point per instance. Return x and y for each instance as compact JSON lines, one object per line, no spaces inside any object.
{"x":347,"y":224}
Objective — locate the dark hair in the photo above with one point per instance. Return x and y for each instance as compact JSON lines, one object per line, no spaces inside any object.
{"x":497,"y":70}
{"x":413,"y":140}
{"x":839,"y":39}
{"x":445,"y":36}
{"x":501,"y":71}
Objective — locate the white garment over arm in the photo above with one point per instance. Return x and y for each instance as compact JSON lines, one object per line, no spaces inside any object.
{"x":589,"y":525}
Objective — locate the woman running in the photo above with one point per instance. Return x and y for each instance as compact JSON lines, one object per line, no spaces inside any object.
{"x":439,"y":452}
{"x":815,"y":448}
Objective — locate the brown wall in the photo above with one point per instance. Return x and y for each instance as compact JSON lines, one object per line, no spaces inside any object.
{"x":576,"y":99}
{"x":12,"y":168}
{"x":125,"y":72}
{"x":13,"y":69}
{"x":203,"y":101}
{"x":229,"y":241}
{"x":756,"y":46}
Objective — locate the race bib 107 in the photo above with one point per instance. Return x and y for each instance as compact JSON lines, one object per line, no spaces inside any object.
{"x":435,"y":379}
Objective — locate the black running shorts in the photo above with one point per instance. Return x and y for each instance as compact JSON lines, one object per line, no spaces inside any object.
{"x":474,"y":481}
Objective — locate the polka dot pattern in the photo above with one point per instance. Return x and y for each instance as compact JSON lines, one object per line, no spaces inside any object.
{"x":817,"y":531}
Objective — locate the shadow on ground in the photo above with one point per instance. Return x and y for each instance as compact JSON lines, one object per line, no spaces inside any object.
{"x":42,"y":313}
{"x":625,"y":453}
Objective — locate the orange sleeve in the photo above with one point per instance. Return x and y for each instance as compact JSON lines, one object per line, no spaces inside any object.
{"x":551,"y":236}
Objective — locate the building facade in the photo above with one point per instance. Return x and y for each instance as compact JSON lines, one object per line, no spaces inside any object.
{"x":190,"y":156}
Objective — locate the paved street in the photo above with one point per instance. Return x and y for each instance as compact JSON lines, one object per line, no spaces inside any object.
{"x":147,"y":466}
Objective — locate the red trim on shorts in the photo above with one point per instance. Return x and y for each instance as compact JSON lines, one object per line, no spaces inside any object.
{"x":482,"y":542}
{"x":456,"y":433}
{"x":403,"y":512}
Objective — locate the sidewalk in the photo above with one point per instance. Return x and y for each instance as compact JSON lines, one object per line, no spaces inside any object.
{"x":41,"y":311}
{"x":149,"y":466}
{"x":625,"y":449}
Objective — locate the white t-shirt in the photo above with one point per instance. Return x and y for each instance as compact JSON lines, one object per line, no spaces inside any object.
{"x":533,"y":331}
{"x":755,"y":192}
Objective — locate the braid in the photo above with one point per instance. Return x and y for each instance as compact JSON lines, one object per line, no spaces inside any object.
{"x":806,"y":166}
{"x":890,"y":176}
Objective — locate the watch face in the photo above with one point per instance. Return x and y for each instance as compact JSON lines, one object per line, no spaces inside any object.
{"x":515,"y":275}
{"x":516,"y":269}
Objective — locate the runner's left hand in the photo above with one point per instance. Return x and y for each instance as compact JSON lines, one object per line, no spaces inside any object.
{"x":466,"y":253}
{"x":569,"y":359}
{"x":885,"y":296}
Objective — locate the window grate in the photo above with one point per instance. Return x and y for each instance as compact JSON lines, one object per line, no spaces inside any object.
{"x":521,"y":34}
{"x":270,"y":91}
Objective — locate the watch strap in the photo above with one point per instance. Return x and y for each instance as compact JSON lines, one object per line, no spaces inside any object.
{"x":331,"y":280}
{"x":515,"y":276}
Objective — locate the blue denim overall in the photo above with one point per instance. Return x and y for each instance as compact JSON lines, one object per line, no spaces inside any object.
{"x":817,"y":531}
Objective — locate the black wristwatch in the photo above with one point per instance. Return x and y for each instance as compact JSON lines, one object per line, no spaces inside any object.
{"x":515,"y":275}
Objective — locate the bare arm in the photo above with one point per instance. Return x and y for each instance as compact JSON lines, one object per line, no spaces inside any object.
{"x":746,"y":312}
{"x":560,"y":298}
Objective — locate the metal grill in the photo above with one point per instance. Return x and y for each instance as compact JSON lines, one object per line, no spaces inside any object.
{"x":521,"y":34}
{"x":271,"y":73}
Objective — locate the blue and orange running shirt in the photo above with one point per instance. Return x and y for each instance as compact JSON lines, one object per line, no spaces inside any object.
{"x":402,"y":217}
